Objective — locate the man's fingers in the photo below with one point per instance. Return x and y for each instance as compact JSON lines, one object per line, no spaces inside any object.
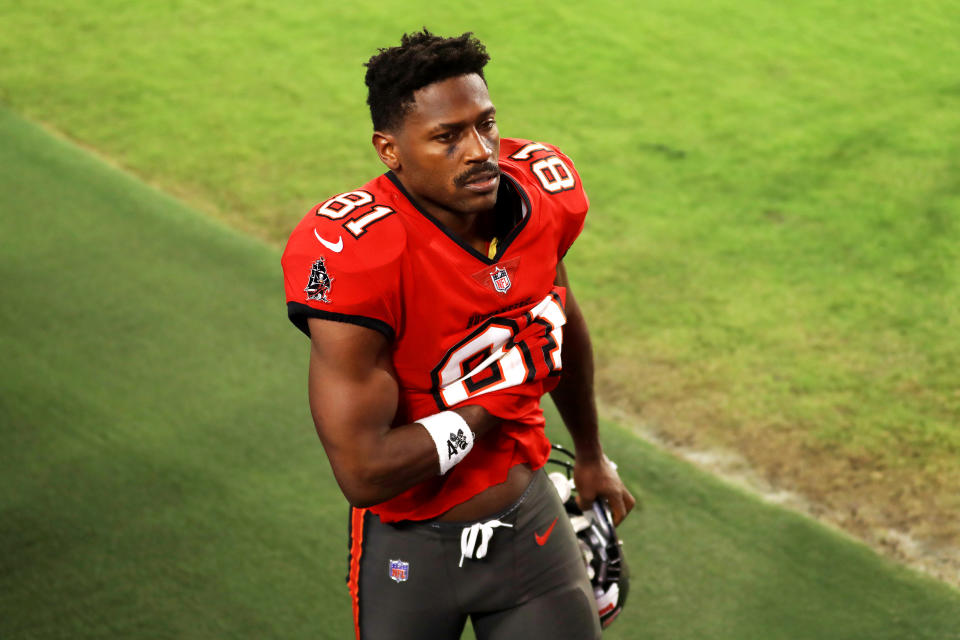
{"x":607,"y":484}
{"x":585,"y":500}
{"x":618,"y":508}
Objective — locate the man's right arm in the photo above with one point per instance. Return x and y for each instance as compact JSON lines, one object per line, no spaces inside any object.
{"x":353,"y":397}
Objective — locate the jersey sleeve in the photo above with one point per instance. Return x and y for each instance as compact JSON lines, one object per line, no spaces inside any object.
{"x":330,"y":274}
{"x":551,"y":173}
{"x":572,"y":207}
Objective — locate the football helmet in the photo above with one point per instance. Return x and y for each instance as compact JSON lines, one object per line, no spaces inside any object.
{"x":600,"y":547}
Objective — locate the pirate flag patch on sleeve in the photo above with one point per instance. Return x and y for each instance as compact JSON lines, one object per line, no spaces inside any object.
{"x":319,"y":284}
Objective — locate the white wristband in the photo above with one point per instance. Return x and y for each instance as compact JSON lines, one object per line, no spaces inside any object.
{"x":451,"y":434}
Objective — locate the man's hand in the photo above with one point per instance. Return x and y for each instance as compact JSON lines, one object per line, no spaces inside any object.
{"x":599,"y":477}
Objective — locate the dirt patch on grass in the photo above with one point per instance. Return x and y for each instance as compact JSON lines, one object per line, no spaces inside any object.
{"x":910,"y":514}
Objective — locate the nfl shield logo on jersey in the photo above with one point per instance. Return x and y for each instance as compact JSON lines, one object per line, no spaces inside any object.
{"x":399,"y":570}
{"x":501,"y":279}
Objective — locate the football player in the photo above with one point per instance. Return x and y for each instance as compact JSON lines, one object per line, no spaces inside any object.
{"x":439,"y":313}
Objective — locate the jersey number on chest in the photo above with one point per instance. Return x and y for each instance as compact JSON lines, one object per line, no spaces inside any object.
{"x":502,"y":353}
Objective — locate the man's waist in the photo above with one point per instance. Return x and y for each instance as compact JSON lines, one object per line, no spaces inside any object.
{"x":488,"y":466}
{"x":493,"y":500}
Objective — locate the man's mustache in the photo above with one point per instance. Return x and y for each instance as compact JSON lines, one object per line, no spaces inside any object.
{"x":489,"y":169}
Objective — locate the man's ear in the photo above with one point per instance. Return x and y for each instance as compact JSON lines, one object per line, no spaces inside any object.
{"x":386,"y":146}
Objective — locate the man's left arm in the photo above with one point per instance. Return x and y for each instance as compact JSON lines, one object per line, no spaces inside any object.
{"x":574,"y":397}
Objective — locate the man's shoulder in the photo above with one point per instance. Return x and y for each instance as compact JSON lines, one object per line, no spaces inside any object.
{"x":544,"y":168}
{"x":344,"y":259}
{"x":361,"y":225}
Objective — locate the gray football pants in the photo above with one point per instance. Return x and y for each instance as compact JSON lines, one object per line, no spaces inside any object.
{"x":406,"y":581}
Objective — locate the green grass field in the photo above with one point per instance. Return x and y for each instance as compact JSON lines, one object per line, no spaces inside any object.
{"x":771,"y":261}
{"x":770,"y":265}
{"x":160,"y":477}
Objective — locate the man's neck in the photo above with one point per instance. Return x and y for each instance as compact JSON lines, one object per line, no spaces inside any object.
{"x":479,"y":228}
{"x":474,"y":229}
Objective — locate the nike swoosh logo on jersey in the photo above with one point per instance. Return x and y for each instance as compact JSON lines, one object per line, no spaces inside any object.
{"x":336,"y":247}
{"x":542,"y":539}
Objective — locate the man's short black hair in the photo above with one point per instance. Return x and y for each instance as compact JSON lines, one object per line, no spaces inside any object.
{"x":422,"y":58}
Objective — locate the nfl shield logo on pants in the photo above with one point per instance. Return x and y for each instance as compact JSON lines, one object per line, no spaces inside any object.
{"x":501,"y":279}
{"x":399,"y":570}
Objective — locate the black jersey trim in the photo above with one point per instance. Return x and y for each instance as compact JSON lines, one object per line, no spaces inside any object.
{"x":511,"y":236}
{"x":501,"y":247}
{"x":298,"y":314}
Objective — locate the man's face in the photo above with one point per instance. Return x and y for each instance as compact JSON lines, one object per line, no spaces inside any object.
{"x":447,"y":147}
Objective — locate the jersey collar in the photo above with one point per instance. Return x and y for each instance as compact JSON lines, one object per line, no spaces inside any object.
{"x":510,"y":194}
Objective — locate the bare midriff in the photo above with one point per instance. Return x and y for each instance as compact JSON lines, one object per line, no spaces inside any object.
{"x":492,"y":500}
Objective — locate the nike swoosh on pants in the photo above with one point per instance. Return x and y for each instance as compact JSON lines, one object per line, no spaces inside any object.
{"x":542,"y":540}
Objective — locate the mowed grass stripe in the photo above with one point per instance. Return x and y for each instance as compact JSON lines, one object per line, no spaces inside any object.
{"x":160,"y":477}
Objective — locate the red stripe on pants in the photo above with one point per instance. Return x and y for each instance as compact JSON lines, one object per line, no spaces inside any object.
{"x":356,"y":550}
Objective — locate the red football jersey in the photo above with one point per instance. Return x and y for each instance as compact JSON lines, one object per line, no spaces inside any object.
{"x":464,"y":328}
